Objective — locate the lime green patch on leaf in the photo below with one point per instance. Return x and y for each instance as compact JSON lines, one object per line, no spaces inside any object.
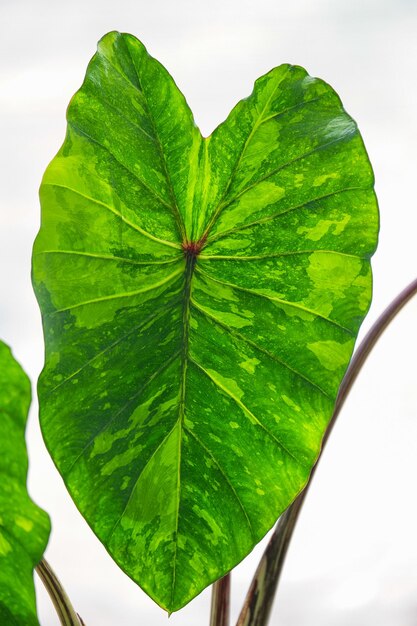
{"x":331,"y":354}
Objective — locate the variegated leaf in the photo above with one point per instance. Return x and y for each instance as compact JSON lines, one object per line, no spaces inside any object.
{"x":200,"y":300}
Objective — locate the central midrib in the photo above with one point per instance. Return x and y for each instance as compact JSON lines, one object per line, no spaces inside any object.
{"x":189,"y":270}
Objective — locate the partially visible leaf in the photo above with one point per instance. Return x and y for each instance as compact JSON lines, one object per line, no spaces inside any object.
{"x":200,"y":302}
{"x":24,"y":527}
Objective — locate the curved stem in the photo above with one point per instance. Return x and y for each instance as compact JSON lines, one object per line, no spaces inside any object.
{"x":220,"y":602}
{"x":65,"y":611}
{"x":260,"y":597}
{"x":367,"y":345}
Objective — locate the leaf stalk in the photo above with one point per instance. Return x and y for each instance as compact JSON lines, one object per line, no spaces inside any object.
{"x":65,"y":611}
{"x":220,"y":602}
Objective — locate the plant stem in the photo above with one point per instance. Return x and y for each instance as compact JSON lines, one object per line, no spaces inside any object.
{"x":65,"y":611}
{"x":220,"y":602}
{"x":260,"y":597}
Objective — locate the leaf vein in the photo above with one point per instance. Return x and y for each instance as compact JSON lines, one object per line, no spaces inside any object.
{"x":137,"y":479}
{"x":275,"y":216}
{"x":152,"y":377}
{"x":246,"y":411}
{"x":294,"y":305}
{"x":152,"y":191}
{"x":299,"y":105}
{"x":135,"y":227}
{"x":116,"y":296}
{"x":259,"y":348}
{"x":118,"y":259}
{"x":259,"y":257}
{"x":284,"y":165}
{"x":181,"y":407}
{"x":160,"y":311}
{"x":229,"y":483}
{"x":174,"y":206}
{"x":111,"y":106}
{"x":238,"y":161}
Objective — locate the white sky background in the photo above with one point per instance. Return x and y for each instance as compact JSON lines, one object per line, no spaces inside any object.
{"x":353,"y":561}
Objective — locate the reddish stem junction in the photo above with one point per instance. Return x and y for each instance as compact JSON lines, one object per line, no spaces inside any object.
{"x":193,"y":248}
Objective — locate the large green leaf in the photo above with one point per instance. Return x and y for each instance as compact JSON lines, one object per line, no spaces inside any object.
{"x":24,"y":528}
{"x":200,"y":300}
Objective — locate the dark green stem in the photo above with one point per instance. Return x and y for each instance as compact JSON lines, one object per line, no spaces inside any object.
{"x":65,"y":611}
{"x":220,"y":602}
{"x":260,"y":597}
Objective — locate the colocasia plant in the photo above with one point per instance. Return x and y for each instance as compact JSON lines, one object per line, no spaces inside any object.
{"x":200,"y":299}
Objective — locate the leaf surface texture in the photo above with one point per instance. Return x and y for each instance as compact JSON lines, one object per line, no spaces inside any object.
{"x":200,"y":299}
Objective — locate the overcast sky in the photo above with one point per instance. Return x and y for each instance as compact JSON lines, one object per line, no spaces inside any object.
{"x":353,"y":561}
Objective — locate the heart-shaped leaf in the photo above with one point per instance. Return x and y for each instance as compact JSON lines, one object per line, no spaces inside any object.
{"x":200,"y":300}
{"x":24,"y":528}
